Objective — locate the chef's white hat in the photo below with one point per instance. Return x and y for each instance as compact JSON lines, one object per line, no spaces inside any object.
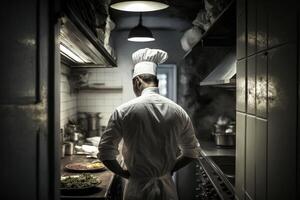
{"x":146,"y":60}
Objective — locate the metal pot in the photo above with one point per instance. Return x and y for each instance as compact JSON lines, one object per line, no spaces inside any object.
{"x":224,"y":140}
{"x":94,"y":124}
{"x":69,"y":148}
{"x":74,"y":137}
{"x":63,"y":151}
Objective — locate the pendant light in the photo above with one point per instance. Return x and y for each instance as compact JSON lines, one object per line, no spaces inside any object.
{"x":139,"y":6}
{"x":140,"y":33}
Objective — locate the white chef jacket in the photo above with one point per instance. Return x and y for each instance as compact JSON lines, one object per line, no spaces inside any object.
{"x":152,"y":127}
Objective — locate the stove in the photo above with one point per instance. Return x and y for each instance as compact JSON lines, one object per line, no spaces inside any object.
{"x":212,"y":183}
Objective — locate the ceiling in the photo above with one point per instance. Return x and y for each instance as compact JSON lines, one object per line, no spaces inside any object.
{"x":178,"y":16}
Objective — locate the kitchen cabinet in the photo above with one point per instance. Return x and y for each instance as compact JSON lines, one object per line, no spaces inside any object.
{"x":241,"y":36}
{"x":19,"y":51}
{"x":282,"y":22}
{"x":260,"y":149}
{"x":298,"y":146}
{"x":261,"y":25}
{"x":261,"y":85}
{"x":251,"y":84}
{"x":241,"y":6}
{"x":250,"y":157}
{"x":27,"y":165}
{"x":240,"y":155}
{"x":241,"y":86}
{"x":271,"y":126}
{"x":282,"y":122}
{"x":251,"y":27}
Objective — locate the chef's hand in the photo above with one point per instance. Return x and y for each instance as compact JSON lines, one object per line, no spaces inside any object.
{"x":125,"y":174}
{"x":181,"y":162}
{"x":115,"y":167}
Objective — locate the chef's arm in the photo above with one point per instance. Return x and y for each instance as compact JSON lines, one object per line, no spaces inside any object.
{"x":114,"y":166}
{"x":108,"y":146}
{"x":181,"y":162}
{"x":188,"y":144}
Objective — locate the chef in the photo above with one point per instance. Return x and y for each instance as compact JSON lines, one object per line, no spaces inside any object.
{"x":153,"y":128}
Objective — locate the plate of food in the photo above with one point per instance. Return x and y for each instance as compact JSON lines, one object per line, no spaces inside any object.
{"x":83,"y":184}
{"x":85,"y":167}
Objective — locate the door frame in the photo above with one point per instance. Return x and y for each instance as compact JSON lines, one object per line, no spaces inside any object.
{"x":54,"y":102}
{"x":171,"y":69}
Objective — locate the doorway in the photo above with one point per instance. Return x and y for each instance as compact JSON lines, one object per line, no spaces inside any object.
{"x":167,"y":76}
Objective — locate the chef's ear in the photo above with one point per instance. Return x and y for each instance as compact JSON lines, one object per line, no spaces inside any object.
{"x":140,"y":81}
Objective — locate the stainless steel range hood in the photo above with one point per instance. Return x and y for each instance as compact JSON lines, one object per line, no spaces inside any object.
{"x":224,"y":72}
{"x":79,"y":48}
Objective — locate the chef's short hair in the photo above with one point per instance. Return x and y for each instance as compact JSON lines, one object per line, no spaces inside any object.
{"x":148,"y":78}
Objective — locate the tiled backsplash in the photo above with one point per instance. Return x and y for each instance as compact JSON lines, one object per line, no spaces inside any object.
{"x":68,"y":99}
{"x":103,"y":101}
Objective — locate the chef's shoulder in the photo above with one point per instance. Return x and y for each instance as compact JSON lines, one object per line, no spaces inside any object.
{"x":127,"y":106}
{"x":177,"y":108}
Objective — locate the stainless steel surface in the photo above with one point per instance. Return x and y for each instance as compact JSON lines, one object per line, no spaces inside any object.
{"x":69,"y":148}
{"x":91,"y":53}
{"x":224,"y":72}
{"x":62,"y":136}
{"x":218,"y":179}
{"x":224,"y":140}
{"x":63,"y":151}
{"x":208,"y":148}
{"x":92,"y":121}
{"x":94,"y":124}
{"x":74,"y":137}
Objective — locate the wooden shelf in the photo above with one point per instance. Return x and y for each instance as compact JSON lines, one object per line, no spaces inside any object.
{"x":222,"y":31}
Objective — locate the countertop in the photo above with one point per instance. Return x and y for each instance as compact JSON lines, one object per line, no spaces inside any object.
{"x":106,"y":177}
{"x":208,"y":148}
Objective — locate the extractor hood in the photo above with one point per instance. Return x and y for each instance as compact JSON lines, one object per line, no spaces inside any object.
{"x":224,"y":73}
{"x":79,"y":48}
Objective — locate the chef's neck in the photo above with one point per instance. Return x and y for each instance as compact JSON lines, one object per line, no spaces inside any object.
{"x":138,"y":89}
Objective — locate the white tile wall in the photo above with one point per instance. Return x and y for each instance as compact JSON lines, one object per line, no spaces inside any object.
{"x":68,"y":99}
{"x":102,"y":101}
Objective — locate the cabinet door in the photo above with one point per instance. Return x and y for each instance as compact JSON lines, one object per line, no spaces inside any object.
{"x":240,"y":155}
{"x":298,"y":143}
{"x":251,"y":68}
{"x":26,"y":114}
{"x":241,"y":6}
{"x":261,"y":85}
{"x":261,"y":25}
{"x":251,"y":27}
{"x":282,"y":122}
{"x":260,"y":159}
{"x":250,"y":157}
{"x":241,"y":35}
{"x":282,"y":22}
{"x":241,"y":86}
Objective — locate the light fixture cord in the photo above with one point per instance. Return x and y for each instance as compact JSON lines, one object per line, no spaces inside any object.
{"x":140,"y":19}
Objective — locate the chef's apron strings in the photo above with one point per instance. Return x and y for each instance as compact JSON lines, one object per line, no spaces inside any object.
{"x":154,"y":186}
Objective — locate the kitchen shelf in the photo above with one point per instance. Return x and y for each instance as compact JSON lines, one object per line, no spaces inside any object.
{"x":222,"y":31}
{"x":229,"y":86}
{"x":101,"y":88}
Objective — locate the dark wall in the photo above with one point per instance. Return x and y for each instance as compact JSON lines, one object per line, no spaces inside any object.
{"x":206,"y":103}
{"x":167,"y":40}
